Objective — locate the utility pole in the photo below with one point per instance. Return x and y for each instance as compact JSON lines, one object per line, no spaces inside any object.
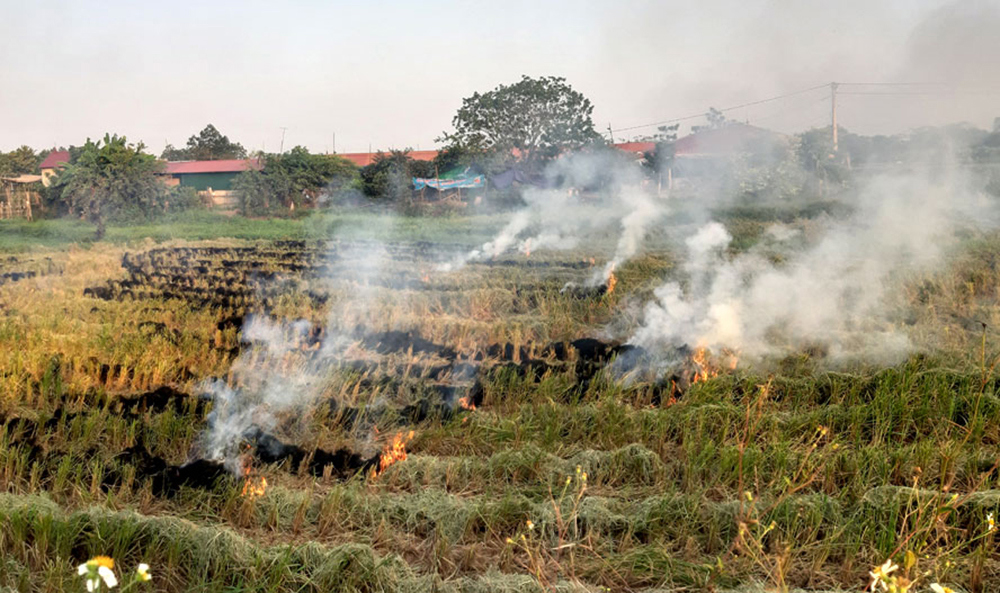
{"x":281,"y":147}
{"x":610,"y":133}
{"x":833,"y":112}
{"x":335,"y":143}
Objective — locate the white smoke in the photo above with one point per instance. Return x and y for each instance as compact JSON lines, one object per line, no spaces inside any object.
{"x":275,"y":376}
{"x":641,"y":212}
{"x":833,"y":293}
{"x":588,"y":193}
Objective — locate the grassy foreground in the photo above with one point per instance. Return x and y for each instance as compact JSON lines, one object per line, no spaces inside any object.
{"x":19,"y":235}
{"x":788,"y":475}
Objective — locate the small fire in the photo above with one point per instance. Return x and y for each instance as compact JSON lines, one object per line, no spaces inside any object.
{"x":392,"y":453}
{"x":466,"y":403}
{"x":527,"y":247}
{"x":708,"y":366}
{"x":612,"y":281}
{"x":253,"y":486}
{"x":705,"y":369}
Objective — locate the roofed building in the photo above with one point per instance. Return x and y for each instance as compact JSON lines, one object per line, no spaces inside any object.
{"x":57,"y":159}
{"x":363,"y":159}
{"x":211,"y":179}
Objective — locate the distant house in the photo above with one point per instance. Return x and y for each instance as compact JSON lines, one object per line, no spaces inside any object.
{"x":735,"y":138}
{"x":636,"y":149}
{"x":701,"y":153}
{"x":56,"y":160}
{"x":211,"y":179}
{"x":363,"y":159}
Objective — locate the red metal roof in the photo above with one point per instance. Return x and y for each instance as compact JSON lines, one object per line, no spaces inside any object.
{"x":55,"y":158}
{"x":363,"y":159}
{"x":729,"y":139}
{"x":224,"y":166}
{"x":636,"y":146}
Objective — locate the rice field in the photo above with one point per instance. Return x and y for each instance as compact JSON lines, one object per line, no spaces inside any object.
{"x":413,"y":429}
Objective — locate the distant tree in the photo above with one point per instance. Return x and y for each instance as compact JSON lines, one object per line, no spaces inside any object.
{"x":662,"y":156}
{"x":291,"y":179}
{"x":20,"y":161}
{"x":297,"y":176}
{"x":254,"y":193}
{"x":453,"y":157}
{"x":390,"y":175}
{"x":532,"y":121}
{"x":111,"y":177}
{"x":207,"y":145}
{"x":716,"y":120}
{"x":815,"y":154}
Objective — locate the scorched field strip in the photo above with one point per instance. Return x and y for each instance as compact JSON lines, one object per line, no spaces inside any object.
{"x":303,"y":415}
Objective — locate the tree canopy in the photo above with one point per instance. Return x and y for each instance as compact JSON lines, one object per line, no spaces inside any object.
{"x":207,"y":145}
{"x":532,"y":121}
{"x":390,"y":175}
{"x":18,"y":161}
{"x":292,"y":179}
{"x":111,"y":177}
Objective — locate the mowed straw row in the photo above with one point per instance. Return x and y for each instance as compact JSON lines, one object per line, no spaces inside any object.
{"x":784,"y":474}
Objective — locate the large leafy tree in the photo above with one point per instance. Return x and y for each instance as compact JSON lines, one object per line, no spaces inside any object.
{"x":298,"y":176}
{"x":112,"y":177}
{"x":19,"y":161}
{"x":207,"y":145}
{"x":292,"y":179}
{"x":531,"y":121}
{"x":390,"y":175}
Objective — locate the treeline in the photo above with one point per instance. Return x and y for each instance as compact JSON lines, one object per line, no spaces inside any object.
{"x":113,"y":180}
{"x":518,"y":129}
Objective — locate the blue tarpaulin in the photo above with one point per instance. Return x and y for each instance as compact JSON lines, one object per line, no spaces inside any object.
{"x":443,"y":184}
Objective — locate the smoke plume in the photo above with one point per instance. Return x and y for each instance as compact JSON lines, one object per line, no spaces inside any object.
{"x":585,"y":194}
{"x":834,"y":294}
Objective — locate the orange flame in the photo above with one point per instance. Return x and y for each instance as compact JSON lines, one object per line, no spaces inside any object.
{"x":392,"y":453}
{"x":612,"y":281}
{"x":708,"y":365}
{"x":466,"y":403}
{"x":527,"y":247}
{"x":253,"y":486}
{"x":705,"y":369}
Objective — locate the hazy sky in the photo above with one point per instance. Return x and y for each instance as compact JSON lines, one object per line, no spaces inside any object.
{"x":391,"y":74}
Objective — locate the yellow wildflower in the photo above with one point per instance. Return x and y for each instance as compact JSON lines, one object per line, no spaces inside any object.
{"x":941,"y":589}
{"x":530,"y":524}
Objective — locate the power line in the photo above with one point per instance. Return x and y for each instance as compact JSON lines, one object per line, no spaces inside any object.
{"x":893,"y":83}
{"x":952,"y":91}
{"x":702,"y":114}
{"x":799,"y":108}
{"x":921,"y":93}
